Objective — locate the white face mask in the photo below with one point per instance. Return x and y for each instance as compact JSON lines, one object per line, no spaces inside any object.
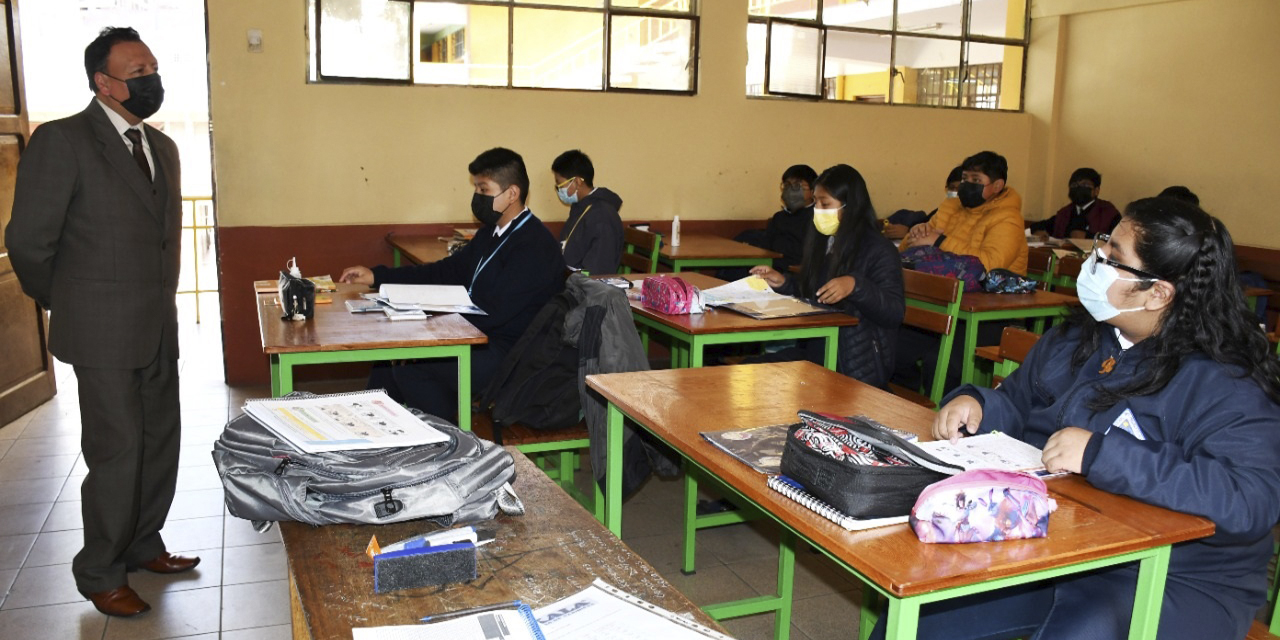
{"x":953,"y":194}
{"x":827,"y":220}
{"x":1091,"y":288}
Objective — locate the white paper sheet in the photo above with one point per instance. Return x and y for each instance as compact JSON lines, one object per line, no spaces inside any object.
{"x":506,"y":624}
{"x":748,"y":289}
{"x":440,"y":298}
{"x":603,"y":612}
{"x":343,"y":422}
{"x":993,"y":450}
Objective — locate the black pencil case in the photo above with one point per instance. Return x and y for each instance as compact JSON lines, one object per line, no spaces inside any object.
{"x":863,"y":469}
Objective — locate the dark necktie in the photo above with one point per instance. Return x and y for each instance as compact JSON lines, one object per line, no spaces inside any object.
{"x":139,"y":156}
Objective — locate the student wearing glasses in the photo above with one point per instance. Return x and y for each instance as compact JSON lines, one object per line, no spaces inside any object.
{"x":591,"y":238}
{"x":1164,"y":391}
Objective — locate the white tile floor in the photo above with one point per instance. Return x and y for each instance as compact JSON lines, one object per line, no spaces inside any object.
{"x":239,"y":591}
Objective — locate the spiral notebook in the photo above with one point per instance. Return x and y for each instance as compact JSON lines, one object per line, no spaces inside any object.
{"x":794,"y":490}
{"x":504,"y":624}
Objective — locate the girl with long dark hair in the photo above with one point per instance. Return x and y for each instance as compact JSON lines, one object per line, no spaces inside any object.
{"x":1164,"y":391}
{"x":850,"y":265}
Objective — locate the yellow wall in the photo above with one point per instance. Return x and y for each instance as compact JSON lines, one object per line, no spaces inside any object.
{"x":1157,"y":93}
{"x":292,"y":153}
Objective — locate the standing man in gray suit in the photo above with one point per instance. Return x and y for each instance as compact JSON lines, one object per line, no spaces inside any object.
{"x":94,"y":239}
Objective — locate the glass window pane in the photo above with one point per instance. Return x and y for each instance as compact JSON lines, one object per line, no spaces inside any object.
{"x":984,"y":84}
{"x":655,"y":5}
{"x":558,"y":49}
{"x":792,"y":9}
{"x":928,"y":69}
{"x":868,"y":14}
{"x":857,"y":67}
{"x":591,"y":4}
{"x":460,"y":44}
{"x":651,"y":53}
{"x":757,"y":40}
{"x":934,"y":17}
{"x":794,"y":53}
{"x":364,"y":39}
{"x":998,"y":18}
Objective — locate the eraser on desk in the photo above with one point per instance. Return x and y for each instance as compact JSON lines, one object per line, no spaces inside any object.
{"x":424,"y":567}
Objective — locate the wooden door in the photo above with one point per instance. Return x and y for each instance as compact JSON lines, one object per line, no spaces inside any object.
{"x":26,"y":368}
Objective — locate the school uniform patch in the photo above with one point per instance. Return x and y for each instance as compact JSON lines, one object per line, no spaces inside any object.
{"x":1129,"y":423}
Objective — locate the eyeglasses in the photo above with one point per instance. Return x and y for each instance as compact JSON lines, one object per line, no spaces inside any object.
{"x":1105,"y":238}
{"x":565,"y":183}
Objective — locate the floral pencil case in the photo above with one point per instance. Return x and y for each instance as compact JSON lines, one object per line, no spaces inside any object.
{"x":983,"y":505}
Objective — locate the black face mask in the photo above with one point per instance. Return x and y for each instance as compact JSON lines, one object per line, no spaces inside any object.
{"x":482,"y":209}
{"x":793,"y":198}
{"x":1080,"y":196}
{"x":971,"y":194}
{"x":146,"y":94}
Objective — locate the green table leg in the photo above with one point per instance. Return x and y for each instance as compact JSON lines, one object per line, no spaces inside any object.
{"x":281,"y":377}
{"x":868,"y":613}
{"x":690,"y":520}
{"x":833,"y":351}
{"x":693,"y":354}
{"x":786,"y":584}
{"x":464,"y":389}
{"x":395,"y":256}
{"x":970,"y":349}
{"x":904,"y":618}
{"x":613,"y":472}
{"x":1147,"y":601}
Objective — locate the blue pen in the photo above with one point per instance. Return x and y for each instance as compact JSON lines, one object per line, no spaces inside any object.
{"x":481,"y":609}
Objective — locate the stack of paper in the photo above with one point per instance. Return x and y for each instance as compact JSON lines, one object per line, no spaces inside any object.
{"x":342,"y":422}
{"x":438,"y":298}
{"x":752,"y":296}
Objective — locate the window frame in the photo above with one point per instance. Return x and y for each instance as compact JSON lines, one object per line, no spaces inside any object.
{"x":607,"y":12}
{"x":965,"y":39}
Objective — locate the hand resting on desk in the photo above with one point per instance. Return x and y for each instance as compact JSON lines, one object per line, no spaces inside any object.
{"x":357,"y":275}
{"x":1063,"y":452}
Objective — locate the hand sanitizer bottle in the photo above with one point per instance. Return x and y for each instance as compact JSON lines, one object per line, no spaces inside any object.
{"x":675,"y":231}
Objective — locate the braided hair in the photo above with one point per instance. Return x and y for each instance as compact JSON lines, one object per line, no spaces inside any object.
{"x":857,"y":222}
{"x":1193,"y":251}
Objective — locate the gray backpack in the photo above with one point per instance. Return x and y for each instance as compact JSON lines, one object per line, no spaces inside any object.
{"x":266,"y":479}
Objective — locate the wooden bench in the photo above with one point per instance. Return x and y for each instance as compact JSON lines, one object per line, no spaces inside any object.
{"x":540,"y":444}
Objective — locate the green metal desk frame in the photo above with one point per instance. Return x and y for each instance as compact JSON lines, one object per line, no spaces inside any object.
{"x":904,"y":613}
{"x":282,"y":365}
{"x":395,"y":256}
{"x":679,"y":264}
{"x":687,"y":349}
{"x":973,"y":318}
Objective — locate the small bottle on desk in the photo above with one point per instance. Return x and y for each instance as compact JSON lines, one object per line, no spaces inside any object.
{"x":675,"y":231}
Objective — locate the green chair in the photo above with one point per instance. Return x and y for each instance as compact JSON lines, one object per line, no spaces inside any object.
{"x":933,"y":303}
{"x":640,"y":251}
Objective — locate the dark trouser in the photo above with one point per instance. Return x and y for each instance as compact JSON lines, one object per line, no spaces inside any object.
{"x":432,"y":385}
{"x":132,"y":432}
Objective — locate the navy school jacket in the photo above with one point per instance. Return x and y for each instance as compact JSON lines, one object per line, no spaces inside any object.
{"x":1211,"y":448}
{"x":513,"y":284}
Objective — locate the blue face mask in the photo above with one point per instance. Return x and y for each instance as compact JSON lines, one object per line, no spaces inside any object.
{"x":565,"y":196}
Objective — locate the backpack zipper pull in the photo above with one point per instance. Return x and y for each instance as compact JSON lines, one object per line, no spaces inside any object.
{"x":281,"y":467}
{"x":388,"y":506}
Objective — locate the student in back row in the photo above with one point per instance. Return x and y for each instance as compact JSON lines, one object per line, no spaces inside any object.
{"x":592,"y":236}
{"x":1086,"y":216}
{"x":985,"y":220}
{"x":847,"y":264}
{"x":511,"y":269}
{"x":788,"y":228}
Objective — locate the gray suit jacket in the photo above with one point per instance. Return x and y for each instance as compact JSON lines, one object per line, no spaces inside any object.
{"x":96,"y":244}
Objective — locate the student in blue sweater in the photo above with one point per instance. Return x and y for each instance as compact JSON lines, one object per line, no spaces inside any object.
{"x":1166,"y":392}
{"x":511,"y":268}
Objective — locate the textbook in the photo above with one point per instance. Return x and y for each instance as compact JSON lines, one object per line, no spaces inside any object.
{"x":343,"y":422}
{"x":993,"y":450}
{"x":751,"y":296}
{"x":794,"y":490}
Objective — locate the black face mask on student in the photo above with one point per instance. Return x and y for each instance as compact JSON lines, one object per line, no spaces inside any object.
{"x":482,"y":209}
{"x":1080,"y":196}
{"x":971,"y":194}
{"x":793,"y":198}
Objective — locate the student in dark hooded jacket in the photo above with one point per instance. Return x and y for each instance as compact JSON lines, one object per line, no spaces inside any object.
{"x":592,"y":236}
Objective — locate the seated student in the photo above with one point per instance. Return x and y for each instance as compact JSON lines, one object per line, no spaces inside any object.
{"x":1164,"y":391}
{"x":592,"y":236}
{"x":511,"y":268}
{"x":1182,"y":193}
{"x":788,"y":227}
{"x":984,"y":221}
{"x":850,"y":266}
{"x":1086,"y":216}
{"x":897,"y":225}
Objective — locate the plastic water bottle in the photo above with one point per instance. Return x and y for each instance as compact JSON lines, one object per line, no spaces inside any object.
{"x":675,"y":231}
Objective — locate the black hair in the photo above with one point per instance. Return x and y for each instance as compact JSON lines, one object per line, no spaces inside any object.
{"x":1182,"y":193}
{"x":956,"y":175}
{"x":1085,"y":173}
{"x":989,"y":163}
{"x":96,"y":54}
{"x":575,"y":164}
{"x":857,"y":223}
{"x":1193,"y":251}
{"x":504,"y":167}
{"x":800,"y":172}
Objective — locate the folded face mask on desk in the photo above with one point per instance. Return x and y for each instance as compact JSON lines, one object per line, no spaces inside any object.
{"x":983,"y":505}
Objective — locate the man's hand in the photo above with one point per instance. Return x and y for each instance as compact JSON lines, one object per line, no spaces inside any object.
{"x":357,"y":275}
{"x":1065,"y":450}
{"x":836,"y":289}
{"x":964,"y":412}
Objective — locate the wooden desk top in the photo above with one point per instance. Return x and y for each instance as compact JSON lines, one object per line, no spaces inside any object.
{"x":700,"y":246}
{"x":420,"y":249}
{"x":333,"y":328}
{"x":725,"y":321}
{"x":553,"y":551}
{"x":979,"y":302}
{"x":1088,"y":524}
